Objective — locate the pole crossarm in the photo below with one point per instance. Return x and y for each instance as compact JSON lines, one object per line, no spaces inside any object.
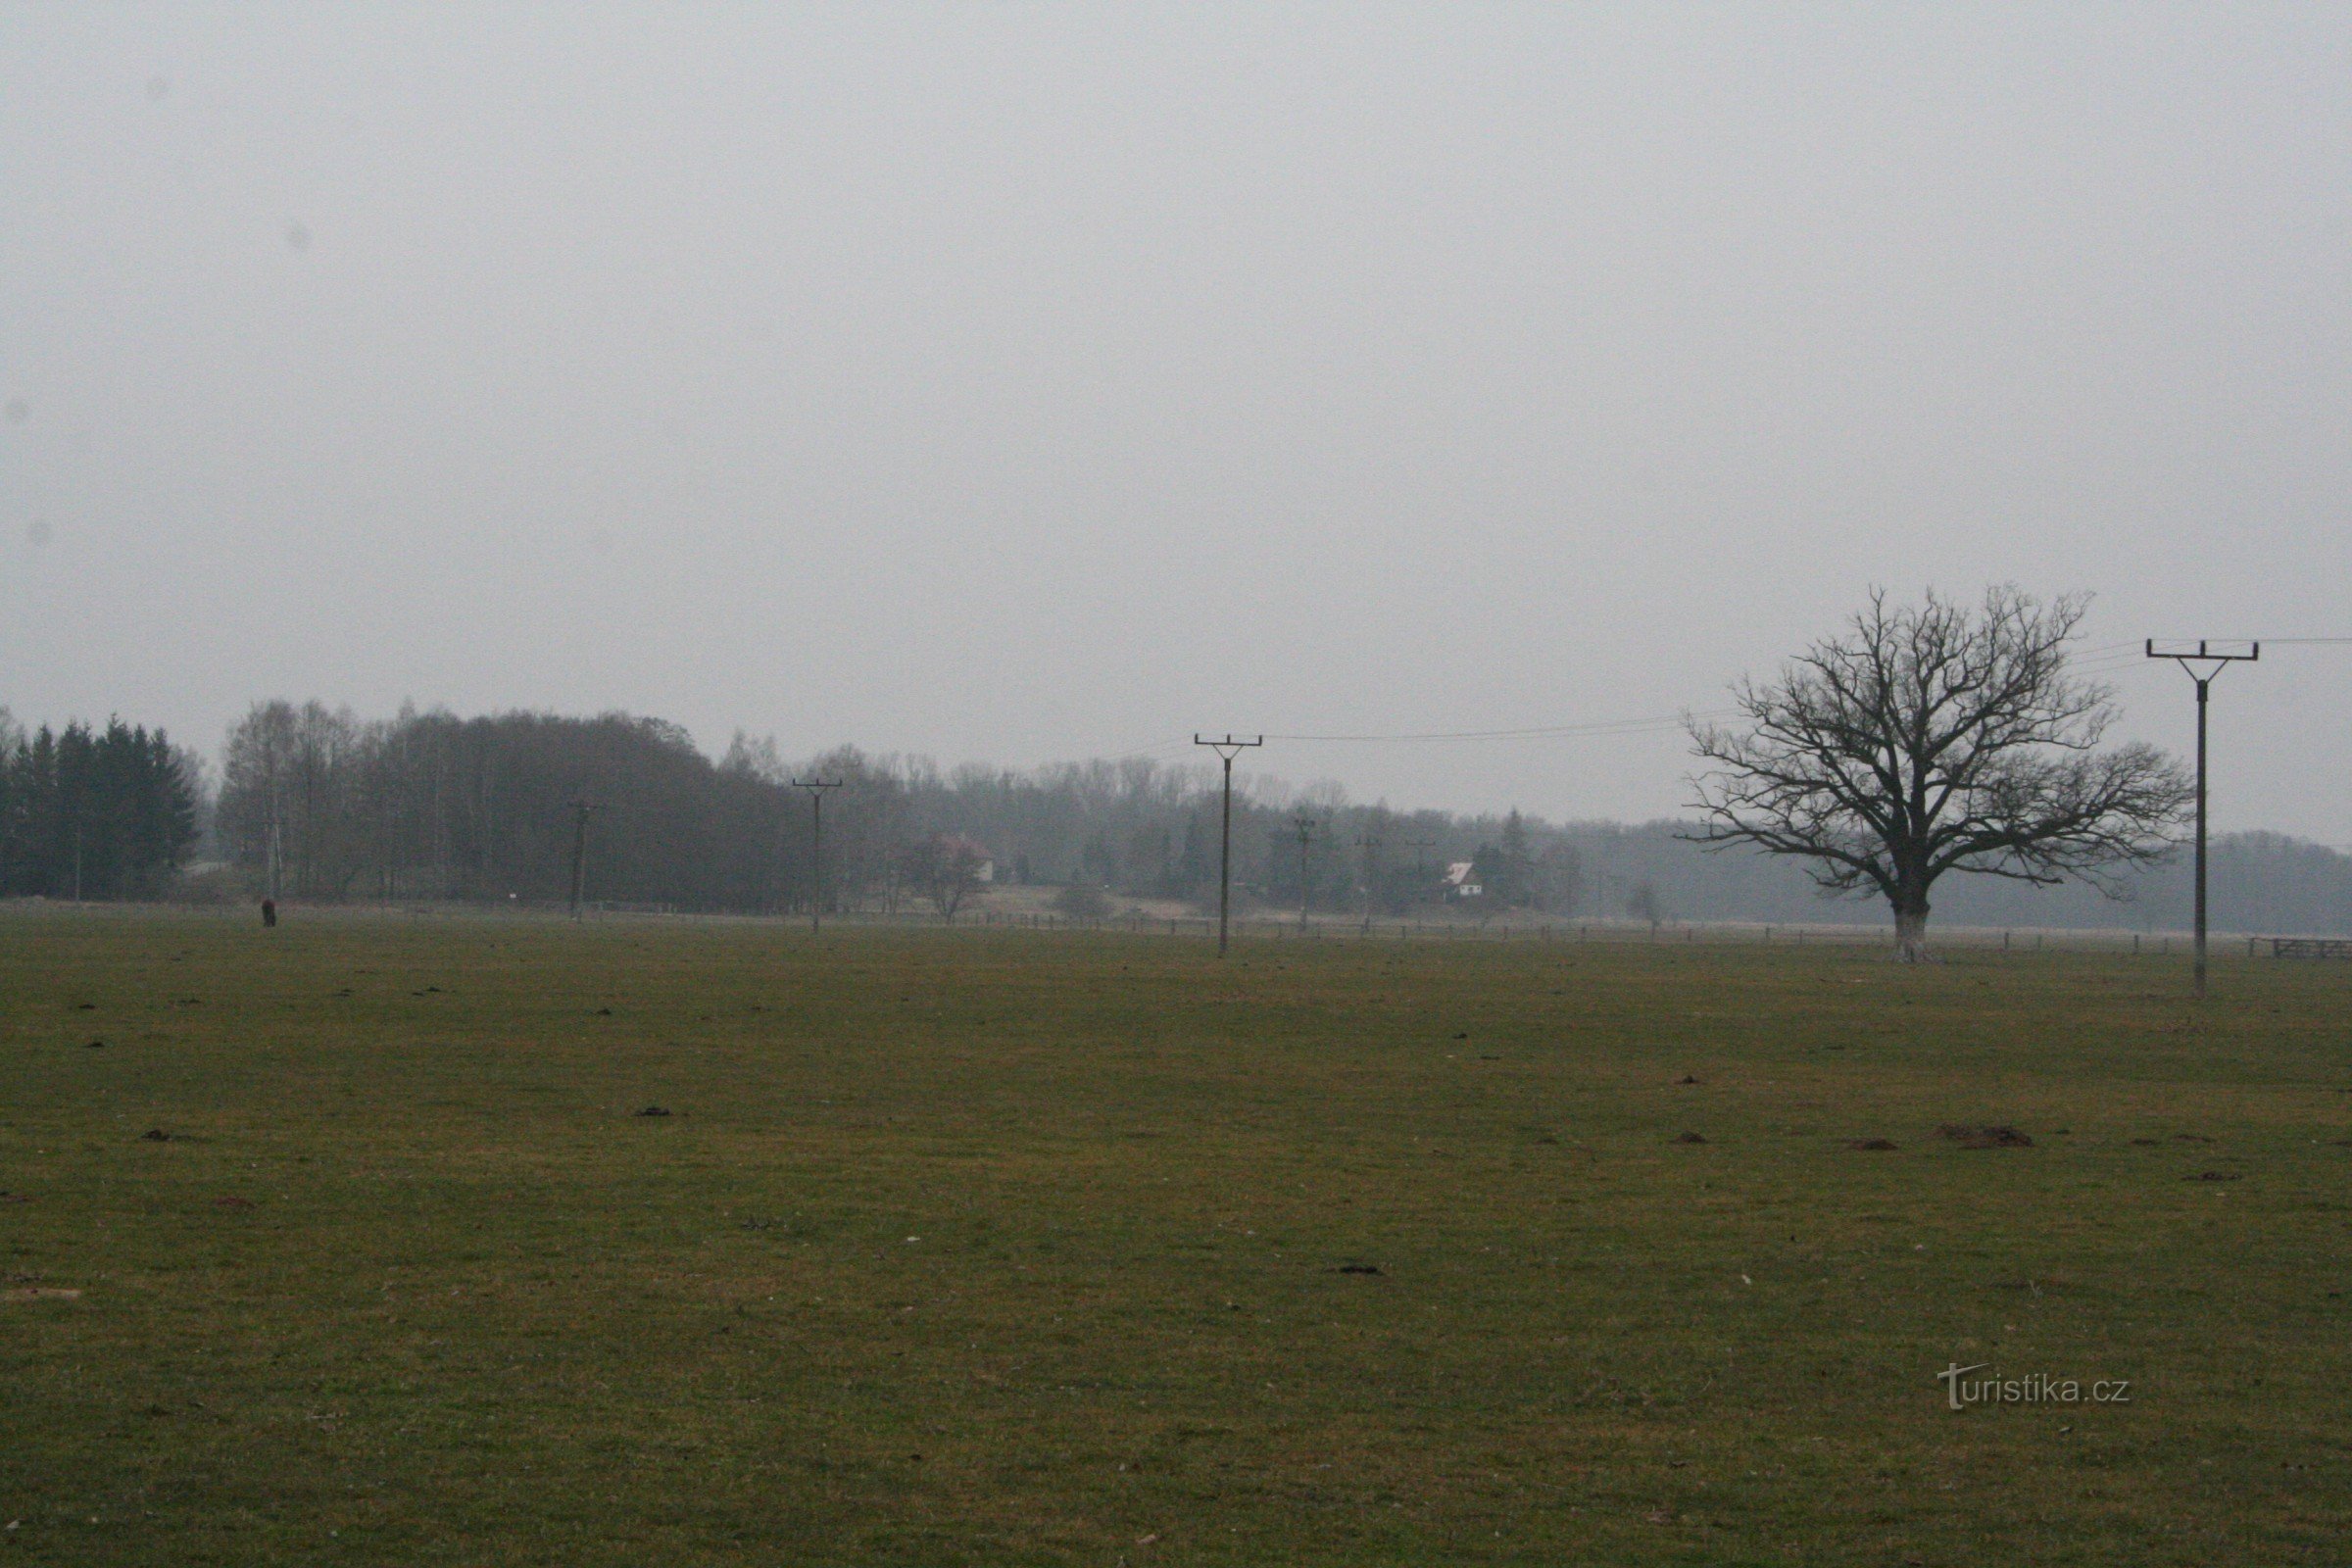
{"x":2218,"y":655}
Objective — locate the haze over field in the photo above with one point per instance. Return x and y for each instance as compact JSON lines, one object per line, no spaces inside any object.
{"x":1047,"y":382}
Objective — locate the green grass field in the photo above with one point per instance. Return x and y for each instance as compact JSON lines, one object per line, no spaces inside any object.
{"x":1006,"y":1248}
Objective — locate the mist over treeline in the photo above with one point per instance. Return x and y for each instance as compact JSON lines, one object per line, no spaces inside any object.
{"x":317,"y":803}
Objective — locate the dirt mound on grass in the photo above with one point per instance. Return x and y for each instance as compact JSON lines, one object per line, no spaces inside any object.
{"x":1985,"y":1136}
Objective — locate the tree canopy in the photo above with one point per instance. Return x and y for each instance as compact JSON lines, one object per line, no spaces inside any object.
{"x":92,"y":813}
{"x":1930,"y":739}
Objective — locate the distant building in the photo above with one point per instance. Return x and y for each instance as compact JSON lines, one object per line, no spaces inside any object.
{"x":1460,"y":882}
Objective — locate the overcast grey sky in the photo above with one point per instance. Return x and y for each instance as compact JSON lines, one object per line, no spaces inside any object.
{"x":1024,"y":382}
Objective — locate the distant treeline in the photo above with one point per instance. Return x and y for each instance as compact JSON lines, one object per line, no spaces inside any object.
{"x":2264,"y":882}
{"x":93,"y":814}
{"x":318,"y":804}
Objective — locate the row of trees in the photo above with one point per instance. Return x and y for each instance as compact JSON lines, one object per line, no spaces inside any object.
{"x":95,"y":814}
{"x":1924,"y":742}
{"x":318,"y":804}
{"x":428,"y":806}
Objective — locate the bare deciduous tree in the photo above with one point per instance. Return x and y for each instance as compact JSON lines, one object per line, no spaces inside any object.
{"x":947,"y":870}
{"x":1930,"y":739}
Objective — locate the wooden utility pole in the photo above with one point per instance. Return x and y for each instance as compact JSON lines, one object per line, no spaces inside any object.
{"x":579,"y":852}
{"x":1227,"y":748}
{"x":817,"y":788}
{"x":1421,"y":849}
{"x":1420,"y":860}
{"x":1368,"y":842}
{"x":1304,"y":826}
{"x":2216,"y":664}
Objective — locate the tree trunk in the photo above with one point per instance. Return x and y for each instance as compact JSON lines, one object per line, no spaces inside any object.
{"x":1911,"y":929}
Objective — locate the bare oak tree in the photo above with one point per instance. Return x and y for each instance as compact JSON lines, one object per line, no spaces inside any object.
{"x":1930,"y":739}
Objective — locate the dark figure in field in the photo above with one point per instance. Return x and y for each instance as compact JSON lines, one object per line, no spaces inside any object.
{"x":269,"y":912}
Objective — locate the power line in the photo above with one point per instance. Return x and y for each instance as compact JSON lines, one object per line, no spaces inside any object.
{"x":2106,"y":658}
{"x":1593,"y":728}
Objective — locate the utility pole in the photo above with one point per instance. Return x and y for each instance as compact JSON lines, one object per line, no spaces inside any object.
{"x":2213,"y":665}
{"x":579,"y":852}
{"x":1304,"y":826}
{"x":1368,"y":842}
{"x":817,"y":788}
{"x":1421,"y":864}
{"x":1227,"y":749}
{"x":1421,"y":846}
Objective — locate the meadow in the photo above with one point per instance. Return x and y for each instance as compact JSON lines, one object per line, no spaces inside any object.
{"x":455,"y":1240}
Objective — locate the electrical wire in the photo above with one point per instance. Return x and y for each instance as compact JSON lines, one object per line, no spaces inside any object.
{"x":1654,"y":723}
{"x":2107,"y":658}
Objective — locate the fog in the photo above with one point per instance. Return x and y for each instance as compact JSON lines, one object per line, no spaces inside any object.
{"x":1033,"y":383}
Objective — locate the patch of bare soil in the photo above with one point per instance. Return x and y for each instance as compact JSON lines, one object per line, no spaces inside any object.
{"x":1985,"y":1136}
